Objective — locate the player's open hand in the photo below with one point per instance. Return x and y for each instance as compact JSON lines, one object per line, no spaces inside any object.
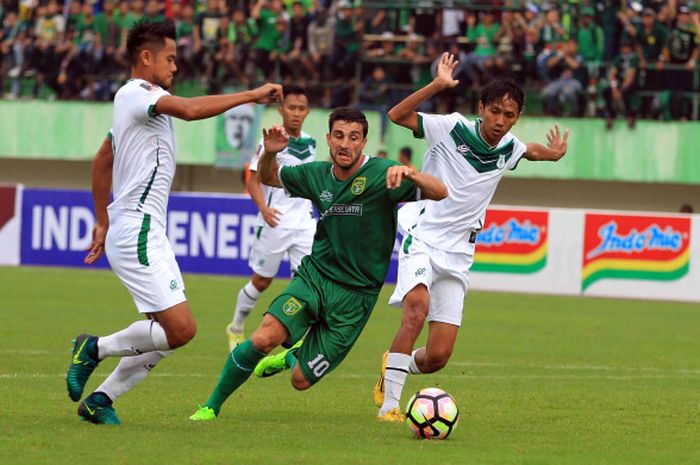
{"x":97,"y":248}
{"x":275,"y":139}
{"x":446,"y":66}
{"x":396,"y":174}
{"x":556,"y":142}
{"x":268,"y":93}
{"x":271,"y":216}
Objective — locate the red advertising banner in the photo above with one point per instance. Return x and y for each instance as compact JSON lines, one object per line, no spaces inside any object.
{"x":512,"y":241}
{"x":635,"y":247}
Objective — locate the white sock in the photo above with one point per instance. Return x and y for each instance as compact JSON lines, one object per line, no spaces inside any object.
{"x":394,"y":379}
{"x":142,"y":336}
{"x":247,"y":298}
{"x":413,"y":366}
{"x":130,"y":372}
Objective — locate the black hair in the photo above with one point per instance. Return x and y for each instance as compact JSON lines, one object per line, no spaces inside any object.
{"x":147,"y":33}
{"x":407,"y":152}
{"x":498,"y":89}
{"x":349,"y":115}
{"x":293,"y":90}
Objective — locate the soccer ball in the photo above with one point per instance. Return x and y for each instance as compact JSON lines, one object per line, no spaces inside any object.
{"x":432,"y":414}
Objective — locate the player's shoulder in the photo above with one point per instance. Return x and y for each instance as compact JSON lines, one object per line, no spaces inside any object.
{"x":139,"y":86}
{"x":308,"y":138}
{"x":446,"y":118}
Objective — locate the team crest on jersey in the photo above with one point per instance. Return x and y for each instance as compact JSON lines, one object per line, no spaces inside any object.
{"x":358,"y":185}
{"x":326,"y":196}
{"x":501,"y":162}
{"x":291,"y":307}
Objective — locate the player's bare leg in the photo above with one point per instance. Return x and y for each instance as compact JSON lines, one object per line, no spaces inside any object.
{"x":387,"y":392}
{"x":141,"y":346}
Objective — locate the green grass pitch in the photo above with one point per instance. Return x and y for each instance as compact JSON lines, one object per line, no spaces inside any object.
{"x":539,"y":380}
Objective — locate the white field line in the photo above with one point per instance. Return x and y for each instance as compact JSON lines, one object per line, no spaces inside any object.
{"x":580,"y":367}
{"x":213,"y":376}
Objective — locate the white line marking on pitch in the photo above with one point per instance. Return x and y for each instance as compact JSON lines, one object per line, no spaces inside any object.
{"x":213,"y":376}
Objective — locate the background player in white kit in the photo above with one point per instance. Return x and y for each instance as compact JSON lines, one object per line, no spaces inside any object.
{"x":438,"y":247}
{"x":140,"y":160}
{"x":285,"y":224}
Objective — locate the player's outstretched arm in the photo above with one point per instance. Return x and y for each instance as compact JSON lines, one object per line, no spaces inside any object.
{"x":553,"y":151}
{"x":101,"y":184}
{"x":404,"y":113}
{"x":211,"y":105}
{"x":270,"y":215}
{"x":431,"y":188}
{"x":275,"y":140}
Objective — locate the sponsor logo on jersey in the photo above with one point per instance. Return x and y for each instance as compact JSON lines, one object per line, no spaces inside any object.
{"x":463,"y":148}
{"x":291,"y":307}
{"x":512,"y":241}
{"x":326,"y":196}
{"x":635,"y":247}
{"x":173,"y":285}
{"x":420,"y":271}
{"x":350,"y":209}
{"x":358,"y":185}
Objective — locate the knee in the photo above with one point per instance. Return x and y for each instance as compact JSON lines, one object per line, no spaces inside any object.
{"x":437,"y":359}
{"x":261,"y":283}
{"x":415,"y":310}
{"x":181,"y":335}
{"x":300,"y":385}
{"x":265,"y":339}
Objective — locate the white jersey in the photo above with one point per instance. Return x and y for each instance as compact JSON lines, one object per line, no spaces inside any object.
{"x":144,"y":151}
{"x":471,"y":169}
{"x":296,"y":213}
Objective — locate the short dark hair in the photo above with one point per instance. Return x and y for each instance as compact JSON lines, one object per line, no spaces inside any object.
{"x":293,"y":90}
{"x":407,"y":152}
{"x":145,"y":33}
{"x":349,"y":115}
{"x":498,"y":89}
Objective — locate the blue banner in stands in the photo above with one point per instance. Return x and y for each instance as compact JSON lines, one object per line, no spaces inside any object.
{"x":209,"y":233}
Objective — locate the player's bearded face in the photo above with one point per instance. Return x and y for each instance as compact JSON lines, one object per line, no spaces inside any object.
{"x":497,"y":118}
{"x":164,"y":67}
{"x":346,"y":142}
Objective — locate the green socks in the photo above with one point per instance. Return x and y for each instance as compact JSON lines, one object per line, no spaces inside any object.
{"x":239,"y":366}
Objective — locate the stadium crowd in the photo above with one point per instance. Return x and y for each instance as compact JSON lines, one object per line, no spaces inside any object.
{"x":588,"y":57}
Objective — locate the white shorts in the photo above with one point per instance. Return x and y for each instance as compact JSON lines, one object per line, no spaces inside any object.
{"x":140,"y":254}
{"x":445,"y":274}
{"x":272,"y":243}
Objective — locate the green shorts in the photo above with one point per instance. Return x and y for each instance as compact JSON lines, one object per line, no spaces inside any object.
{"x":334,"y":317}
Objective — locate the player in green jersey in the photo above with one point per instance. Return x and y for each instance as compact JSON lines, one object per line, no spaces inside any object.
{"x":332,"y":295}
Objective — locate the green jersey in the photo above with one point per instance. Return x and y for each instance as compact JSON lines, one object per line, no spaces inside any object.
{"x":356,"y":230}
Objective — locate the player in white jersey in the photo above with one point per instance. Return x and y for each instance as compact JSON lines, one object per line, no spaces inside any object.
{"x":138,"y":160}
{"x":437,"y":252}
{"x":285,"y":224}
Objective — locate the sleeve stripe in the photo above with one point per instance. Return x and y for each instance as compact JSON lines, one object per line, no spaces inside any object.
{"x":419,"y":133}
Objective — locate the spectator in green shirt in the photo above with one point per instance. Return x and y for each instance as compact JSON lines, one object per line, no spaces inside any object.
{"x":551,"y":36}
{"x":590,"y":37}
{"x":184,"y":29}
{"x":346,"y":42}
{"x":622,"y":77}
{"x":483,"y":35}
{"x":267,"y":13}
{"x":682,"y":51}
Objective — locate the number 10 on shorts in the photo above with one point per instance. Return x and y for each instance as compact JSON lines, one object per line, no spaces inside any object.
{"x":319,"y":366}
